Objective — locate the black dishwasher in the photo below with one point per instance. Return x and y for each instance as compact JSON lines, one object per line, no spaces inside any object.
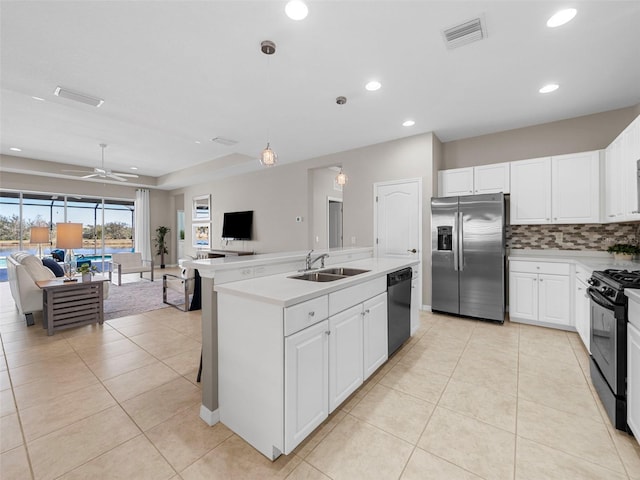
{"x":398,"y":307}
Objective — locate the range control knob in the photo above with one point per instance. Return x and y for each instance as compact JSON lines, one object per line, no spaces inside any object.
{"x":593,"y":281}
{"x":607,"y":291}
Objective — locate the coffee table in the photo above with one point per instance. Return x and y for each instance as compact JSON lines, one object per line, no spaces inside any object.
{"x":71,"y":304}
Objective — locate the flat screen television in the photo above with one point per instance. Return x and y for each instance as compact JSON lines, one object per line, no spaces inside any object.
{"x":237,"y":225}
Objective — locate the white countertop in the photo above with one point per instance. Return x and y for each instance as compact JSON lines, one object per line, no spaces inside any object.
{"x":588,"y":259}
{"x":283,"y":291}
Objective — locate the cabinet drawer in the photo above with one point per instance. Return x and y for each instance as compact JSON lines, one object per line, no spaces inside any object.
{"x":348,"y":297}
{"x":305,"y":314}
{"x":539,"y":267}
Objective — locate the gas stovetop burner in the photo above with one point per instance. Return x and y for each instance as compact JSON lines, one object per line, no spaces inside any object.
{"x":625,"y":278}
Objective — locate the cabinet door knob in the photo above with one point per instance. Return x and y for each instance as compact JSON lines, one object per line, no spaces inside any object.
{"x":312,"y":314}
{"x":540,"y":279}
{"x":328,"y":332}
{"x":413,"y":250}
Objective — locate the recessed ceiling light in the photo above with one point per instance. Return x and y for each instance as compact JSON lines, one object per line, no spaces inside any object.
{"x":561,"y":17}
{"x":38,"y":98}
{"x":373,"y":85}
{"x":133,"y":168}
{"x":15,"y":149}
{"x":197,"y":141}
{"x":408,"y":123}
{"x":552,"y":87}
{"x":296,"y":10}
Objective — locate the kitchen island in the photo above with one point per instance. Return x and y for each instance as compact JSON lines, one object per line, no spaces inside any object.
{"x":290,"y":351}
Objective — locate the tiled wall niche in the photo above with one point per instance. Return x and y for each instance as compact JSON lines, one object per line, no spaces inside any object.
{"x":593,"y":237}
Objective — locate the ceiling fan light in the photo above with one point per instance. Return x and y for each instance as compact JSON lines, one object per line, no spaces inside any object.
{"x":268,"y":157}
{"x":341,"y":178}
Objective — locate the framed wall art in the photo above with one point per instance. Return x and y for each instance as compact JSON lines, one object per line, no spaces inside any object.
{"x":201,"y":208}
{"x":201,"y":235}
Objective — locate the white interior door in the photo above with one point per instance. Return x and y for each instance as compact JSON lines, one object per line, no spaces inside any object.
{"x":397,"y":221}
{"x":334,"y":222}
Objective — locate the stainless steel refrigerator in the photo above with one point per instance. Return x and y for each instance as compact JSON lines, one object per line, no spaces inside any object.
{"x":467,"y":256}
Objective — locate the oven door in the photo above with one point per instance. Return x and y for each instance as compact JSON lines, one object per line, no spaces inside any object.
{"x":606,"y":342}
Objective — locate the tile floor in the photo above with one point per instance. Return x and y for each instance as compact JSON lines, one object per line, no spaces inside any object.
{"x":462,"y":399}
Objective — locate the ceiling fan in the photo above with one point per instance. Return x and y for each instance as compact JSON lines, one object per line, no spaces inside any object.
{"x":103,"y":172}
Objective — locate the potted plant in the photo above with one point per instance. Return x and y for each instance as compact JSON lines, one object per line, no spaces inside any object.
{"x":87,"y":270}
{"x":623,"y":251}
{"x":161,"y":243}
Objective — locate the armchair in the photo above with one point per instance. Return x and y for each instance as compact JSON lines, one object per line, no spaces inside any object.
{"x":185,"y":284}
{"x":123,"y":263}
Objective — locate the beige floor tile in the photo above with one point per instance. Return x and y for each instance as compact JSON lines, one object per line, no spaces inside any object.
{"x":394,"y":412}
{"x":14,"y":464}
{"x":135,"y":459}
{"x":426,"y":466}
{"x":185,"y":362}
{"x":568,"y":373}
{"x":72,"y":446}
{"x":488,"y":374}
{"x":22,"y":340}
{"x":92,"y":336}
{"x":7,"y":404}
{"x":144,"y":328}
{"x":127,"y":321}
{"x":42,"y":392}
{"x":234,"y":458}
{"x":5,"y":383}
{"x":62,"y":366}
{"x":106,"y":368}
{"x":140,"y":380}
{"x":313,"y":440}
{"x":464,"y":441}
{"x":437,"y":357}
{"x":549,"y":336}
{"x":155,"y":406}
{"x":10,"y":433}
{"x":629,"y":451}
{"x":460,"y":328}
{"x":571,"y":398}
{"x":416,"y":380}
{"x":172,"y":346}
{"x":535,"y":462}
{"x":184,"y":438}
{"x":64,"y":410}
{"x":570,"y":433}
{"x":38,"y":353}
{"x":552,"y":351}
{"x":304,"y":471}
{"x":490,"y":406}
{"x":107,"y":350}
{"x":354,"y":449}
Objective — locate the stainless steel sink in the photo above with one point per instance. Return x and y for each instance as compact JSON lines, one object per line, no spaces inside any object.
{"x":318,"y":277}
{"x":347,"y":272}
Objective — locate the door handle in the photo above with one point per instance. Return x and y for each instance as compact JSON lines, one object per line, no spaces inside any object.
{"x":460,"y":241}
{"x":413,"y":250}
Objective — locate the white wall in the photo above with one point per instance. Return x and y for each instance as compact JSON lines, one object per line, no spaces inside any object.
{"x":322,"y":180}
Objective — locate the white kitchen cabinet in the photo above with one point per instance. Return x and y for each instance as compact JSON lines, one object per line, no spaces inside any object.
{"x":345,"y":355}
{"x":630,"y":154}
{"x":582,"y":307}
{"x":306,"y":382}
{"x":531,"y":191}
{"x":575,"y":186}
{"x":375,"y":334}
{"x":540,"y":293}
{"x":492,"y":178}
{"x":614,"y":183}
{"x":455,"y":182}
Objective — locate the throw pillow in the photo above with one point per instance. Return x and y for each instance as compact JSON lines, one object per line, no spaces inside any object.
{"x":58,"y":255}
{"x":33,"y":265}
{"x":54,"y":266}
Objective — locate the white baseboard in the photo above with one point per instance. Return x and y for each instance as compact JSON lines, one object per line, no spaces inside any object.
{"x":426,"y":308}
{"x":209,"y":417}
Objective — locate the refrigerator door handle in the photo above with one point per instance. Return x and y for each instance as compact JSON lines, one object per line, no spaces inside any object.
{"x":454,"y":241}
{"x":460,"y":242}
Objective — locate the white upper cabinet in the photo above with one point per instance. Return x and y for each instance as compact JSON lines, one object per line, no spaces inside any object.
{"x":630,"y":153}
{"x":531,"y":191}
{"x":614,"y":191}
{"x":455,"y":182}
{"x":491,"y":178}
{"x":559,"y":189}
{"x":575,"y":186}
{"x":474,"y":180}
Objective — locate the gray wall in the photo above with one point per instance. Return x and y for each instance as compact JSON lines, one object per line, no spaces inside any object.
{"x":581,"y":134}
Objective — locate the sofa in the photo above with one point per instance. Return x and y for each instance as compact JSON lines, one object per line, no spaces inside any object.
{"x":23,"y":271}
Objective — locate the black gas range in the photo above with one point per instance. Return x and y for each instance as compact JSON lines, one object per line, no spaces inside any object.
{"x":609,"y":339}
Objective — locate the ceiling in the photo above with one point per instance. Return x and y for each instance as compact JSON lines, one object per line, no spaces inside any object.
{"x":173,"y":73}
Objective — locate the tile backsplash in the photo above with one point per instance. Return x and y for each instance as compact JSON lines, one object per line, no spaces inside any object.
{"x":594,"y":237}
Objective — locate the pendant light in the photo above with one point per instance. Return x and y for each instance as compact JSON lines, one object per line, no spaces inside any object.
{"x":341,"y":178}
{"x":268,"y":157}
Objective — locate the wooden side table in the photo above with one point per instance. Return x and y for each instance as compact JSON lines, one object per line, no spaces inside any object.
{"x":71,"y":304}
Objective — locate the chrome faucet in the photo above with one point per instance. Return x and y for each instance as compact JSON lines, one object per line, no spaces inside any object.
{"x":309,"y":263}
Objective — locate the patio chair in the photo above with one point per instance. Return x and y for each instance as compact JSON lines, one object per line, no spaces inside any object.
{"x":130,"y":262}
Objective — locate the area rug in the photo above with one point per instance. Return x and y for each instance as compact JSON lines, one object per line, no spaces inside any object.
{"x":138,"y":297}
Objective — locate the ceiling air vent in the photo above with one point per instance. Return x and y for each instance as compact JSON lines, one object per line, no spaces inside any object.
{"x":78,"y":97}
{"x":467,"y":32}
{"x":224,"y":141}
